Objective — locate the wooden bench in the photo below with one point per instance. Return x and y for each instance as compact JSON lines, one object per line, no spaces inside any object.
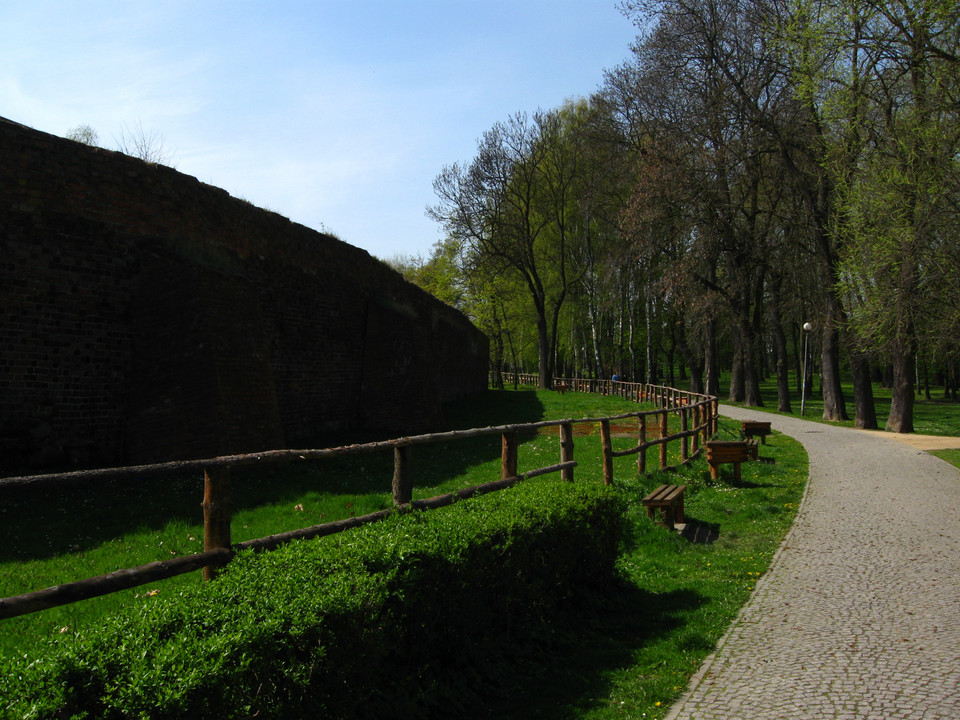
{"x":560,"y":388}
{"x":669,"y":499}
{"x":730,"y":451}
{"x":756,"y":428}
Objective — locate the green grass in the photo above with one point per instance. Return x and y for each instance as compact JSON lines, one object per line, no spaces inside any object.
{"x":631,"y":652}
{"x":951,"y":456}
{"x":936,"y":416}
{"x":626,"y":652}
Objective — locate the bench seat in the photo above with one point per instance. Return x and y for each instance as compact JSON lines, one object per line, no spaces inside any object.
{"x":756,"y":428}
{"x":733,"y":452}
{"x":669,"y":500}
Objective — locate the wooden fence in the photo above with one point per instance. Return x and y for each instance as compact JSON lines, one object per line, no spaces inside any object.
{"x":698,"y":417}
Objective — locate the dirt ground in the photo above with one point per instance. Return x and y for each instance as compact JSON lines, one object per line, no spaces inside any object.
{"x":921,"y":442}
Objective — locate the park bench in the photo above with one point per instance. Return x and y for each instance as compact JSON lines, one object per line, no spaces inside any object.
{"x":669,"y":499}
{"x":756,"y":428}
{"x":560,"y":388}
{"x":733,"y":452}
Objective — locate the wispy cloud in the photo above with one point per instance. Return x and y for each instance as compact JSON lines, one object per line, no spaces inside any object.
{"x":337,"y":113}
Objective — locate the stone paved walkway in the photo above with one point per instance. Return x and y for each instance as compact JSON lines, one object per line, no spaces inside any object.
{"x":859,"y":616}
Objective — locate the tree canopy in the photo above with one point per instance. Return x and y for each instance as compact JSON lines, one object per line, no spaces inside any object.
{"x":752,"y":166}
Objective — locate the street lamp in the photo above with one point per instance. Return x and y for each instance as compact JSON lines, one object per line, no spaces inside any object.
{"x":807,"y":327}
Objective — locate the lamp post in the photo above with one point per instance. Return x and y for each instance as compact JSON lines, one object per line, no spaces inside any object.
{"x":807,"y":327}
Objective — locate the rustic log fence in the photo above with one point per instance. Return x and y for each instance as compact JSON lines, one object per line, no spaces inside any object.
{"x":698,"y":417}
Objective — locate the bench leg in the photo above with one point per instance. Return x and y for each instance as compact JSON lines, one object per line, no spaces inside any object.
{"x":681,"y":518}
{"x":668,"y":519}
{"x":736,"y":471}
{"x":714,"y":471}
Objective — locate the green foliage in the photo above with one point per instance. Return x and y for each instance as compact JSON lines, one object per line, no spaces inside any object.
{"x":390,"y":611}
{"x":439,"y":275}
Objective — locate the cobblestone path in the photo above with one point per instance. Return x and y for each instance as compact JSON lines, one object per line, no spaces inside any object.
{"x":859,"y":616}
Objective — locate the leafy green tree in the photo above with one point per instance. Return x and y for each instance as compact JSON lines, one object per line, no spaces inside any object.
{"x":903,"y":202}
{"x":507,"y":208}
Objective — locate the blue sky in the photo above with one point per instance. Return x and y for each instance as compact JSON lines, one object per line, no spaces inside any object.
{"x":335,"y":113}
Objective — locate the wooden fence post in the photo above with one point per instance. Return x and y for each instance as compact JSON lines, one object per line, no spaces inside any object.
{"x":642,"y":437}
{"x":663,"y":434}
{"x":696,"y":427}
{"x":508,"y":455}
{"x":402,"y":479}
{"x":684,"y":441}
{"x":216,"y":513}
{"x":566,"y":450}
{"x":607,"y":445}
{"x":715,"y":414}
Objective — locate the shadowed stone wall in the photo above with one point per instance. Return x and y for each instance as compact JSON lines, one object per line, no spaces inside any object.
{"x":147,"y":316}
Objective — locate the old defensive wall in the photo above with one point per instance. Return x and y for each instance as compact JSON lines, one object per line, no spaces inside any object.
{"x":146,"y":316}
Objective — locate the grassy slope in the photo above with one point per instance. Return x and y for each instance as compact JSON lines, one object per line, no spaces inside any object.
{"x":627,"y":652}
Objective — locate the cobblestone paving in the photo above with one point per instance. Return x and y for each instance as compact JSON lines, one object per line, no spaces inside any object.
{"x":859,"y":617}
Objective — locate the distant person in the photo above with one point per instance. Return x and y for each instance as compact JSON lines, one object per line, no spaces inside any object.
{"x":615,"y":377}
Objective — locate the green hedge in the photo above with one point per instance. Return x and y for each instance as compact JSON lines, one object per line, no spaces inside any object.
{"x":394,"y":619}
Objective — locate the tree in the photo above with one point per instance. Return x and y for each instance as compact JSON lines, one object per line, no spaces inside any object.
{"x":440,"y":275}
{"x":84,"y":134}
{"x":143,"y":144}
{"x":508,"y":207}
{"x":903,"y":203}
{"x":702,"y":72}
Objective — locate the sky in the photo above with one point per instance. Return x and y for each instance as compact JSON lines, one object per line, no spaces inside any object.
{"x":337,"y":114}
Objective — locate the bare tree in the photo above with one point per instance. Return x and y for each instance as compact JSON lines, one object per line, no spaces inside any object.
{"x":146,"y":145}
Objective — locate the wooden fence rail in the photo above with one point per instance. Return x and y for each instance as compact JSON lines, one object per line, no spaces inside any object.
{"x":219,"y":550}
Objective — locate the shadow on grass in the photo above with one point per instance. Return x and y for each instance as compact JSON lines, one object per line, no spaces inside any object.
{"x":551,"y":675}
{"x":700,"y":533}
{"x":41,"y":522}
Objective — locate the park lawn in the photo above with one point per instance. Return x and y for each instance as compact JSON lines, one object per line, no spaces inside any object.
{"x":952,"y":456}
{"x":625,"y":651}
{"x":936,"y":416}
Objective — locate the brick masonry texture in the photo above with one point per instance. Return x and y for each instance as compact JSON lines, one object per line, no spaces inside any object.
{"x":146,"y":316}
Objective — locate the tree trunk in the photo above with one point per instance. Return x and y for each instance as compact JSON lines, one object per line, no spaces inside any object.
{"x":751,"y":378}
{"x":866,"y":414}
{"x":648,"y":311}
{"x":736,"y":393}
{"x":597,"y":362}
{"x":834,"y":405}
{"x":543,"y":338}
{"x":497,"y":360}
{"x":691,"y":360}
{"x":779,"y":346}
{"x":710,"y":360}
{"x":901,"y":404}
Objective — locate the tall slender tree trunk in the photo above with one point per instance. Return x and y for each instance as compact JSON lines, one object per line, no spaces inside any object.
{"x":779,"y":345}
{"x":691,"y":360}
{"x":595,"y":341}
{"x":543,"y":340}
{"x":648,"y":311}
{"x":736,"y":393}
{"x":834,"y":404}
{"x":711,"y":361}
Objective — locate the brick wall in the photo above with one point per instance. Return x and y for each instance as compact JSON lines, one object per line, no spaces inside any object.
{"x":147,"y":316}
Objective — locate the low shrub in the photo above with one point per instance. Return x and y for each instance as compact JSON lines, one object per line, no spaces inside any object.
{"x":374,"y":622}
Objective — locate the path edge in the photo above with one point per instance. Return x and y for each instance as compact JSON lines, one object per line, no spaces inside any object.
{"x":704,"y":670}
